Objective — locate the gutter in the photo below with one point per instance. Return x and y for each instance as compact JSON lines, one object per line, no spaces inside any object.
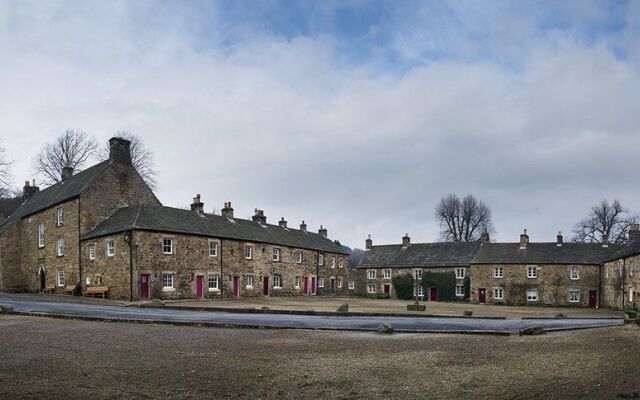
{"x":318,"y":271}
{"x":131,"y":265}
{"x":79,"y":249}
{"x":221,"y":283}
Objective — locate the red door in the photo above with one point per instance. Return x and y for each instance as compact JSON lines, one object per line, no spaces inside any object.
{"x":482,"y":295}
{"x":236,"y":286}
{"x":265,"y":286}
{"x":313,"y":285}
{"x":144,"y":286}
{"x":306,"y":285}
{"x":387,"y":289}
{"x":593,"y":298}
{"x":434,"y":293}
{"x":199,"y":287}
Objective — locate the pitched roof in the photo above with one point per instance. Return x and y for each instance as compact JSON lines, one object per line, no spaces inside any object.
{"x":419,"y":255}
{"x":631,"y":249}
{"x":544,"y":253}
{"x":58,"y":193}
{"x":174,"y":220}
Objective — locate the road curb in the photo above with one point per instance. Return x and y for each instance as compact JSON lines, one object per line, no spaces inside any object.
{"x":554,"y":318}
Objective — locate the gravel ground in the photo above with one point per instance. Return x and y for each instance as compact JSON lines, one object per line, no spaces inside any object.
{"x":50,"y":358}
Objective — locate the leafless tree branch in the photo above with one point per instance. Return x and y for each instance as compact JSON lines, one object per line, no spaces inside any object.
{"x":141,"y":157}
{"x":610,"y":219}
{"x":462,"y":220}
{"x":71,"y":149}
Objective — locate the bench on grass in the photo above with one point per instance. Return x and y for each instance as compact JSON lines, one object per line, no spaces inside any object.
{"x":95,"y":291}
{"x":68,"y":290}
{"x":50,"y":289}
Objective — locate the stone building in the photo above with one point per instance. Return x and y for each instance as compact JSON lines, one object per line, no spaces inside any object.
{"x":105,"y":227}
{"x":620,"y":275}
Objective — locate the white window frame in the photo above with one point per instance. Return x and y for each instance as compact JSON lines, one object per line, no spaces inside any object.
{"x":419,"y":273}
{"x":41,"y":229}
{"x":352,"y":285}
{"x":371,"y":288}
{"x":498,"y":272}
{"x":459,"y":290}
{"x":573,"y":299}
{"x":297,"y":281}
{"x":386,"y":274}
{"x":213,"y":248}
{"x":299,"y":257}
{"x":166,"y":277}
{"x":248,"y":282}
{"x":60,"y":278}
{"x":167,"y":243}
{"x":320,"y":259}
{"x":111,"y":248}
{"x":532,"y":272}
{"x":530,"y":293}
{"x":420,"y":291}
{"x":341,"y":264}
{"x":248,"y":252}
{"x":321,"y":282}
{"x":213,"y":283}
{"x":276,"y":254}
{"x":631,"y":294}
{"x":60,"y":246}
{"x":574,"y":273}
{"x":333,"y":262}
{"x":59,"y":216}
{"x":371,"y":274}
{"x":498,"y":293}
{"x":459,"y":273}
{"x":277,"y":282}
{"x":92,"y":251}
{"x":339,"y":282}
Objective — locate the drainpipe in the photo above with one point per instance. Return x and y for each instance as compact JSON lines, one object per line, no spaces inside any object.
{"x":624,"y":273}
{"x":128,"y":238}
{"x":79,"y":250}
{"x":317,"y":270}
{"x":221,"y":273}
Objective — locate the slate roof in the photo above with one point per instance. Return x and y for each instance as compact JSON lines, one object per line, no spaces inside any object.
{"x":56,"y":194}
{"x":175,"y":220}
{"x":631,"y":249}
{"x":544,"y":253}
{"x":420,"y":255}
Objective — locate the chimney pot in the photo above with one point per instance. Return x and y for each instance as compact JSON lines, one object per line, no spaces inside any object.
{"x":67,"y":172}
{"x":322,"y":231}
{"x":282,"y":223}
{"x":227,"y":211}
{"x":634,"y":232}
{"x":524,"y":240}
{"x":484,"y":237}
{"x":120,"y":150}
{"x":559,"y":239}
{"x":368,"y":243}
{"x":197,"y":205}
{"x":605,"y":240}
{"x":406,"y":240}
{"x":259,"y":217}
{"x":29,"y":190}
{"x":303,"y":226}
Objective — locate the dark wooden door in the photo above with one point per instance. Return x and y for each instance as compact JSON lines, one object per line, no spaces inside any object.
{"x":265,"y":286}
{"x":313,"y":285}
{"x":434,"y":293}
{"x":200,"y":287}
{"x":387,"y":289}
{"x":333,"y":284}
{"x":236,"y":286}
{"x":482,"y":295}
{"x":306,"y":285}
{"x":144,"y":286}
{"x":593,"y":298}
{"x":43,"y":279}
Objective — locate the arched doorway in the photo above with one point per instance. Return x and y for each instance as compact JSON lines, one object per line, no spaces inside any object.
{"x":43,"y":279}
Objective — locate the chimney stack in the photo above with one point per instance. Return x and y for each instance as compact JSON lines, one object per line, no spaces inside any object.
{"x":322,"y":231}
{"x":29,"y":190}
{"x":197,"y":205}
{"x":303,"y":226}
{"x":227,"y":211}
{"x":67,"y":172}
{"x":634,"y":232}
{"x":368,"y":243}
{"x":259,"y":216}
{"x":524,"y":240}
{"x":120,"y":150}
{"x":605,"y":240}
{"x":484,"y":237}
{"x":282,"y":223}
{"x":559,"y":239}
{"x":406,"y":240}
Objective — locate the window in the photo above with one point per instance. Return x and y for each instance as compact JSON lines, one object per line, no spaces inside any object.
{"x":59,"y":216}
{"x":419,"y":274}
{"x":41,"y":234}
{"x":420,"y":291}
{"x":99,"y":280}
{"x":631,"y":294}
{"x":167,"y":281}
{"x":276,"y":254}
{"x":498,"y":272}
{"x":372,"y":274}
{"x":371,"y":288}
{"x":60,"y":277}
{"x":321,"y":282}
{"x":341,"y":265}
{"x":297,"y":282}
{"x":339,"y":283}
{"x":574,"y":274}
{"x":277,"y":282}
{"x":299,"y":257}
{"x":214,"y":282}
{"x":498,"y":294}
{"x":213,"y":248}
{"x":248,"y":252}
{"x":167,"y":246}
{"x":532,"y":294}
{"x":532,"y":272}
{"x":459,"y":273}
{"x":574,"y":296}
{"x":459,"y":290}
{"x":60,"y":247}
{"x":386,"y":274}
{"x":249,"y":281}
{"x":320,"y":259}
{"x":352,"y":285}
{"x":333,"y":262}
{"x":92,"y":251}
{"x":111,"y":248}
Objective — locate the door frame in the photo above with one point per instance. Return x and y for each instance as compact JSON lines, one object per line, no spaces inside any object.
{"x":483,"y":292}
{"x":595,"y":298}
{"x":432,"y":290}
{"x":313,"y":285}
{"x":386,"y":289}
{"x":235,"y":286}
{"x":42,"y":276}
{"x":201,"y":277}
{"x":148,"y":297}
{"x":265,"y":286}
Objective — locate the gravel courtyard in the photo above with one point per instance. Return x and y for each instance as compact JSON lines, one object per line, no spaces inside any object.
{"x":52,"y":358}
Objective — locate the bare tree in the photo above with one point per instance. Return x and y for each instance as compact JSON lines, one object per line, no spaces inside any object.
{"x":5,"y":175}
{"x":605,"y":219}
{"x":72,"y":149}
{"x":141,"y":157}
{"x":462,"y":220}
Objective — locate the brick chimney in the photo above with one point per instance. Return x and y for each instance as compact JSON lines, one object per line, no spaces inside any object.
{"x":634,"y":232}
{"x":120,"y":150}
{"x":484,"y":237}
{"x":197,"y":205}
{"x":282,"y":223}
{"x":559,"y":239}
{"x":227,"y":210}
{"x":524,"y":240}
{"x":67,"y":172}
{"x":322,"y":231}
{"x":259,"y":217}
{"x":368,"y":243}
{"x":605,"y":240}
{"x":29,"y":190}
{"x":303,"y":226}
{"x":406,"y":240}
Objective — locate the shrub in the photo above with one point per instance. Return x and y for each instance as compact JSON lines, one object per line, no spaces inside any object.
{"x":445,"y":282}
{"x":403,"y":285}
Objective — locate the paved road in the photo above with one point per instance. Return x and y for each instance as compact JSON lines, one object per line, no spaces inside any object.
{"x":400,"y":324}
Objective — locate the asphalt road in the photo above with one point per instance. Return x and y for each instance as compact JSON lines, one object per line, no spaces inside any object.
{"x":400,"y":324}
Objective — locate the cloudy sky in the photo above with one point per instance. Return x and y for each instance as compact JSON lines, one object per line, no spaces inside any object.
{"x":358,"y":115}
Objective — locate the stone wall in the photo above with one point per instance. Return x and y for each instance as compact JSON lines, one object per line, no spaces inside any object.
{"x":104,"y":270}
{"x":11,"y":272}
{"x":553,"y":283}
{"x":379,"y":281}
{"x":621,"y":283}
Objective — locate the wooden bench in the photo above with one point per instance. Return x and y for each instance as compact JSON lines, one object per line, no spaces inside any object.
{"x":94,"y":291}
{"x":68,"y":290}
{"x":50,"y":289}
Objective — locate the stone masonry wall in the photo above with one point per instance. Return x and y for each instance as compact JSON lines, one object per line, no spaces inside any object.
{"x":621,"y":283}
{"x":104,"y":270}
{"x":380,"y":281}
{"x":11,"y":272}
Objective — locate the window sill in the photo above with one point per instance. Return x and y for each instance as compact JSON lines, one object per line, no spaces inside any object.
{"x":214,"y":290}
{"x":168,"y":289}
{"x":277,"y":287}
{"x":248,"y":287}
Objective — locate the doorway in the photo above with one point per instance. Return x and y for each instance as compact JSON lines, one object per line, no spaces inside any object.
{"x":313,"y":285}
{"x":333,"y":284}
{"x":144,"y":286}
{"x":265,"y":286}
{"x":305,"y":286}
{"x":235,"y":289}
{"x":482,"y":295}
{"x":387,"y":288}
{"x":200,"y":287}
{"x":593,"y":298}
{"x":43,"y":279}
{"x":433,"y":293}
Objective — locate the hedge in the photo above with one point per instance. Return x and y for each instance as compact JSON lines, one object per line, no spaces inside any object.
{"x":403,"y":285}
{"x":445,"y":282}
